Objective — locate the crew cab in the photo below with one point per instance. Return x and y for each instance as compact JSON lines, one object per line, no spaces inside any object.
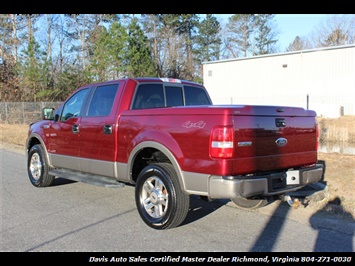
{"x":165,"y":137}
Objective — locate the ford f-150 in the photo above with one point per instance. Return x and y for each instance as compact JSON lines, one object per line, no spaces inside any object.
{"x":165,"y":137}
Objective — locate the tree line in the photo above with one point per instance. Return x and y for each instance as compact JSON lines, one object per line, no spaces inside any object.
{"x":44,"y":57}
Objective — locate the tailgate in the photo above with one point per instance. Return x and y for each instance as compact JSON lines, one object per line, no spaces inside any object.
{"x":270,"y":138}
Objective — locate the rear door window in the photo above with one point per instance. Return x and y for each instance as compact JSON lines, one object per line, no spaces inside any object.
{"x":102,"y":100}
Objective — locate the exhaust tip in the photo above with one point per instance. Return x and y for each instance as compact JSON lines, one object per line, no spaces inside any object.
{"x":288,"y":199}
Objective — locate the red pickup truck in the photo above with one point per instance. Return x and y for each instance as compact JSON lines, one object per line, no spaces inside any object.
{"x":166,"y":138}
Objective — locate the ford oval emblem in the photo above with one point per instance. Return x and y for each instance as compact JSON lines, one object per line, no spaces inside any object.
{"x":281,"y":142}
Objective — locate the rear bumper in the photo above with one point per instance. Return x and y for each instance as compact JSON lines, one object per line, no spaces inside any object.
{"x":265,"y":185}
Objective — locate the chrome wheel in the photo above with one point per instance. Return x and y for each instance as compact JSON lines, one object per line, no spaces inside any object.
{"x":160,"y":201}
{"x":36,"y":166}
{"x":154,"y":197}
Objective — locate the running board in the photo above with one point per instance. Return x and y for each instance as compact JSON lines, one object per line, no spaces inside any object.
{"x":96,"y":180}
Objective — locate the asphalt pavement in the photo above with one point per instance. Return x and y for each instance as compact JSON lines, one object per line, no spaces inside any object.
{"x":76,"y":217}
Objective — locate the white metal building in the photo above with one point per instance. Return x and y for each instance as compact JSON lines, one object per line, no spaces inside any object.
{"x":319,"y":79}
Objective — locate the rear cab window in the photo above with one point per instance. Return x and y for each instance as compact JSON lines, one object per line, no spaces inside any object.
{"x":149,"y":96}
{"x":174,"y":96}
{"x":155,"y":95}
{"x":195,"y":96}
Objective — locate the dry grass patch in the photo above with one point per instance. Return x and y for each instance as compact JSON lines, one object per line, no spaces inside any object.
{"x":15,"y":134}
{"x":335,"y":130}
{"x":340,"y":180}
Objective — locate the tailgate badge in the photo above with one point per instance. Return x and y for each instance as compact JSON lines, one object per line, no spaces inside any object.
{"x":244,"y":143}
{"x":281,"y":142}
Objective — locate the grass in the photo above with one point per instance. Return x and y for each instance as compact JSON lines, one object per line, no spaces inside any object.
{"x":339,"y":177}
{"x":337,"y":130}
{"x":14,"y":134}
{"x":339,"y":173}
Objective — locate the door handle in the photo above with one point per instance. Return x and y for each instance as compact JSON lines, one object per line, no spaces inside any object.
{"x":75,"y":128}
{"x":107,"y":129}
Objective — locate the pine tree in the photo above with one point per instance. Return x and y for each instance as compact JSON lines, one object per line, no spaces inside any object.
{"x":207,"y":42}
{"x":264,"y":36}
{"x":118,"y":50}
{"x":139,"y":58}
{"x":100,"y":62}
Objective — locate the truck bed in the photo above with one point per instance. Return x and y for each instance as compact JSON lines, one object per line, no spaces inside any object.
{"x":260,"y":133}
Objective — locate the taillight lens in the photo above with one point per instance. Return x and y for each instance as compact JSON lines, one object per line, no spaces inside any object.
{"x":222,"y":142}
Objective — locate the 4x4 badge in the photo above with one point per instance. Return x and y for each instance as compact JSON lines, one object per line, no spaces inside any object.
{"x":281,"y":142}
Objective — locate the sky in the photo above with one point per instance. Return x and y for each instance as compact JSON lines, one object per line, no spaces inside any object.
{"x":292,"y":25}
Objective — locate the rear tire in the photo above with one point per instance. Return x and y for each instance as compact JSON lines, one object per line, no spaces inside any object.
{"x":245,"y":203}
{"x":37,"y":167}
{"x":161,"y":202}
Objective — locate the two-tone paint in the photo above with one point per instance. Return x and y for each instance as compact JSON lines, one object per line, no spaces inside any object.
{"x":266,"y":139}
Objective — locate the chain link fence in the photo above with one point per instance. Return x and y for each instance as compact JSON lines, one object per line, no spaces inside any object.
{"x":23,"y":112}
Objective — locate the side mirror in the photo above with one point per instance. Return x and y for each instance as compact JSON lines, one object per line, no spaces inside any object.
{"x":47,"y":113}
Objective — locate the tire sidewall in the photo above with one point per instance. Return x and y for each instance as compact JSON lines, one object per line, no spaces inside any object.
{"x":164,"y":221}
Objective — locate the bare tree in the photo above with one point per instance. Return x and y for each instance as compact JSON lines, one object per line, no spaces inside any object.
{"x":335,"y":30}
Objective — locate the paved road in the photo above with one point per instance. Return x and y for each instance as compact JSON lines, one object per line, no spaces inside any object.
{"x":72,"y":216}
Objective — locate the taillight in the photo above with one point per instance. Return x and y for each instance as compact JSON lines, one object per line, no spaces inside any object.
{"x":221,"y":142}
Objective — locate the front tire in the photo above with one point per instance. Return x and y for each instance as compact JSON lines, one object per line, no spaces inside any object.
{"x":161,"y":202}
{"x":37,"y":167}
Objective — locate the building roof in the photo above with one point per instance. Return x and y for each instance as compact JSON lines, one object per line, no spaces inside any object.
{"x":281,"y":54}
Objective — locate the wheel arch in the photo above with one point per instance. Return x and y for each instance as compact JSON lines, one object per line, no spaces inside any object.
{"x":152,"y":152}
{"x":35,"y":139}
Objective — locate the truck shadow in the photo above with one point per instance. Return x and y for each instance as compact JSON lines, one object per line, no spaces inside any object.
{"x":59,"y":181}
{"x":270,"y":235}
{"x":201,"y":207}
{"x":335,"y":234}
{"x":322,"y":242}
{"x":272,"y":230}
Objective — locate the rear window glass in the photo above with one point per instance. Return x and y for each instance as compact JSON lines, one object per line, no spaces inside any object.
{"x":174,"y":96}
{"x":158,"y":95}
{"x":195,"y":96}
{"x":149,"y":96}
